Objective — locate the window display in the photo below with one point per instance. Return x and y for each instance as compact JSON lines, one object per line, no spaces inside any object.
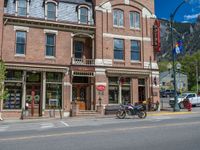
{"x":14,"y":98}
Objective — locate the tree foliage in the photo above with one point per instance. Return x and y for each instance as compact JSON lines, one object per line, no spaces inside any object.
{"x":3,"y":93}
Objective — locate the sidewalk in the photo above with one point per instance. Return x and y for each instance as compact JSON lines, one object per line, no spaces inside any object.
{"x":152,"y":113}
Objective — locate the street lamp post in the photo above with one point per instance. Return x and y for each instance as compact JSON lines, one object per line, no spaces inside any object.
{"x":178,"y":67}
{"x":176,"y":107}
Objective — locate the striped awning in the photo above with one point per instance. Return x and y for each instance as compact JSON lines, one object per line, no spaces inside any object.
{"x":37,"y":68}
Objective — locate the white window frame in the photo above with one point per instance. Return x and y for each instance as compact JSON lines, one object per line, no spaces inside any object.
{"x":89,"y":14}
{"x":118,"y":24}
{"x":134,"y":20}
{"x":51,"y":1}
{"x":27,"y":8}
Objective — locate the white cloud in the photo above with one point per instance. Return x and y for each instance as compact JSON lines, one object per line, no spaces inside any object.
{"x":190,"y":17}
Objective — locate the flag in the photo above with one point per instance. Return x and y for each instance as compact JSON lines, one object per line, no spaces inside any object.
{"x":179,"y":47}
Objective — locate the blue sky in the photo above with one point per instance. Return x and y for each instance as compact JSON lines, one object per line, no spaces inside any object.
{"x":188,"y":12}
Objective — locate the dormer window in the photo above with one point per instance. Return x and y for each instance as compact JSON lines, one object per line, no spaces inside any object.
{"x":22,"y":7}
{"x":50,"y":10}
{"x":84,"y":15}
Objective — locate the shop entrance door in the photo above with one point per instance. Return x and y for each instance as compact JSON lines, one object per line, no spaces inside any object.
{"x":79,"y":95}
{"x":141,"y":94}
{"x":33,"y":94}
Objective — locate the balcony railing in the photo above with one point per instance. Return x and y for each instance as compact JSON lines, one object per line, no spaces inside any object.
{"x":80,"y":61}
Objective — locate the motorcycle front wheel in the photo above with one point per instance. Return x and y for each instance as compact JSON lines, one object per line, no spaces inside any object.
{"x":142,"y":114}
{"x":121,"y":114}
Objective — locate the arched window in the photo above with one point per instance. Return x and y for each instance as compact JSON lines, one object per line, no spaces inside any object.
{"x":118,"y":18}
{"x":51,"y":11}
{"x":135,"y":20}
{"x":84,"y":14}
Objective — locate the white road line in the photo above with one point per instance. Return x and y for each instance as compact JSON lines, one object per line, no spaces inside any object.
{"x":47,"y":125}
{"x":64,"y":123}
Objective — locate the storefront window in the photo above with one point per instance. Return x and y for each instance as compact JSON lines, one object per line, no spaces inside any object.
{"x":54,"y":77}
{"x":14,"y":75}
{"x":14,"y":99}
{"x":116,"y":88}
{"x":126,"y":96}
{"x":54,"y":90}
{"x":113,"y":90}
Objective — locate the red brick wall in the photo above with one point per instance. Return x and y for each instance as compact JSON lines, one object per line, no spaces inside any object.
{"x":104,"y":24}
{"x":35,"y":48}
{"x":1,"y":22}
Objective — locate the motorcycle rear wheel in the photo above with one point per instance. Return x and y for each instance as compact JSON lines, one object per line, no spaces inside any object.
{"x":142,"y":114}
{"x":121,"y":114}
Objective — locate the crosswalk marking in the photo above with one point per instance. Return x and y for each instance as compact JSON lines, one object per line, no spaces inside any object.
{"x":67,"y":125}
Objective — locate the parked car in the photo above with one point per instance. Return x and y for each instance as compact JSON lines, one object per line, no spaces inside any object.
{"x":167,"y":93}
{"x":193,"y":98}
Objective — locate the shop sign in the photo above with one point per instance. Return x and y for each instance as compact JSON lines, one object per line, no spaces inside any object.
{"x":101,"y":87}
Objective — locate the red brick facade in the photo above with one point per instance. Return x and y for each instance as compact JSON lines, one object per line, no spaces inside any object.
{"x":97,"y":63}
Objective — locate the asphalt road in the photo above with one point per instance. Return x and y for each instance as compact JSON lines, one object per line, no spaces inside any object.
{"x":164,"y":133}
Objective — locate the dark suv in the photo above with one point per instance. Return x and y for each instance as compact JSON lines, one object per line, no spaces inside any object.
{"x":167,"y":93}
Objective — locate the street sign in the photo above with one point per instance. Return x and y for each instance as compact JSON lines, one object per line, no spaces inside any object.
{"x":101,"y":87}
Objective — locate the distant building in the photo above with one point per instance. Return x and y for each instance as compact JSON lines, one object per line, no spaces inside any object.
{"x":166,"y":81}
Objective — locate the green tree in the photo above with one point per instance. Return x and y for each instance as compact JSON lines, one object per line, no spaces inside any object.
{"x":189,"y":65}
{"x":3,"y":93}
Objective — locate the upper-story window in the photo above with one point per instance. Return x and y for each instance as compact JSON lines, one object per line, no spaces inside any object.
{"x":119,"y":49}
{"x":118,"y":18}
{"x":134,"y":20}
{"x":84,"y":14}
{"x":20,"y":42}
{"x":50,"y":44}
{"x":22,"y":7}
{"x":51,"y":11}
{"x":135,"y":50}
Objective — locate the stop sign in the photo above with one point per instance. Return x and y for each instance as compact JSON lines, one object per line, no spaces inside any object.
{"x":101,"y":87}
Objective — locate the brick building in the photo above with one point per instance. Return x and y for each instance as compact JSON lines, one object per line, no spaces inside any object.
{"x":60,"y":51}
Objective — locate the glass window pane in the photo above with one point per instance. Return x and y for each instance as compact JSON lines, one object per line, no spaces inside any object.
{"x":53,"y":96}
{"x":84,"y":15}
{"x":51,"y":11}
{"x":118,"y":49}
{"x":22,"y":4}
{"x":118,"y":17}
{"x":14,"y":99}
{"x":137,"y":20}
{"x":20,"y":42}
{"x":54,"y":77}
{"x":50,"y":44}
{"x":135,"y":50}
{"x":131,"y":19}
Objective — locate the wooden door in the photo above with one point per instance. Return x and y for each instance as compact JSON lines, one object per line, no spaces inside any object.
{"x":79,"y":95}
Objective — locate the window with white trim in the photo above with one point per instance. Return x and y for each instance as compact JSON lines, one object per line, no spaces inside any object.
{"x":50,"y":44}
{"x":22,"y":7}
{"x":51,"y":11}
{"x":135,"y":20}
{"x":20,"y":42}
{"x":84,"y":15}
{"x":118,"y":18}
{"x":118,"y":49}
{"x":135,"y":50}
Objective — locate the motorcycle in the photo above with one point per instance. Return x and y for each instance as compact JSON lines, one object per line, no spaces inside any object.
{"x":131,"y":110}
